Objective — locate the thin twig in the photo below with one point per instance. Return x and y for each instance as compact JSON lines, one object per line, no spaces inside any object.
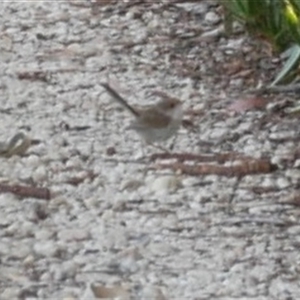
{"x":26,"y":191}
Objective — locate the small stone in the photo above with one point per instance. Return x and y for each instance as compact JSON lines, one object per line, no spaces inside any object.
{"x":166,"y":184}
{"x":134,"y":13}
{"x":297,"y":163}
{"x":38,"y":212}
{"x":131,"y":185}
{"x":58,"y":202}
{"x":116,"y":292}
{"x":110,"y":151}
{"x":268,"y":182}
{"x":219,"y":133}
{"x":43,"y":234}
{"x":126,"y":262}
{"x":198,"y":8}
{"x":33,"y":161}
{"x":212,"y":18}
{"x":46,"y":249}
{"x":294,"y":174}
{"x":283,"y":183}
{"x":237,"y":82}
{"x":12,"y":229}
{"x":91,"y":202}
{"x":74,"y":163}
{"x":213,"y":34}
{"x":28,"y":261}
{"x":152,"y":292}
{"x":73,"y":235}
{"x":46,"y":277}
{"x":9,"y":200}
{"x":63,"y":271}
{"x":40,"y":174}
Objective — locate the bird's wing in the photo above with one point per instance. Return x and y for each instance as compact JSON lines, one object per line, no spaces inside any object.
{"x":153,"y":118}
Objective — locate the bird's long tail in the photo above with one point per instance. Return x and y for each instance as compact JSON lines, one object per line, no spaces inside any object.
{"x":120,"y":99}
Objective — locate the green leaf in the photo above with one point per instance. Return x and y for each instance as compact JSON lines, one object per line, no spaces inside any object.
{"x":295,"y":4}
{"x":289,"y":65}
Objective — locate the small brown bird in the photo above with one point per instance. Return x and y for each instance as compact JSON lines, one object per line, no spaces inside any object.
{"x":154,"y":123}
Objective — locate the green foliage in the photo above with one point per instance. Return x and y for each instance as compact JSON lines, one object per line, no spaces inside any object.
{"x":275,"y":20}
{"x":293,"y":57}
{"x":278,"y":21}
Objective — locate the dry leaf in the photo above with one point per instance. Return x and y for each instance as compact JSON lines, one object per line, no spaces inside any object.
{"x":248,"y":104}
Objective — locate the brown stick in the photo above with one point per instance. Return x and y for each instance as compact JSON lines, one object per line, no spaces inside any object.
{"x":26,"y":191}
{"x":242,"y":169}
{"x":221,"y":158}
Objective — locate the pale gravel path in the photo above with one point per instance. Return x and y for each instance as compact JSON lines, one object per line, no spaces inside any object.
{"x":205,"y":238}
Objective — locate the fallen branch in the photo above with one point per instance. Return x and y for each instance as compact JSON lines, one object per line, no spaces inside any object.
{"x":215,"y":157}
{"x":242,"y":169}
{"x":258,"y":220}
{"x":35,"y":75}
{"x":26,"y":191}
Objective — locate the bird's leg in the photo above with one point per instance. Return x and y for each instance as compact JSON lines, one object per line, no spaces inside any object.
{"x":173,"y":142}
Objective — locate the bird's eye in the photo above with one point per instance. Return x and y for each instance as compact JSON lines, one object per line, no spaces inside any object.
{"x":172,"y":104}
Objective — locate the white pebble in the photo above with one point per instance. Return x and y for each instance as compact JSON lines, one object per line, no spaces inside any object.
{"x":74,"y":163}
{"x":267,"y":182}
{"x":43,"y":234}
{"x":283,"y":183}
{"x":28,"y":261}
{"x":130,"y":184}
{"x":40,"y":174}
{"x":46,"y":248}
{"x":33,"y":161}
{"x":165,"y":184}
{"x":212,"y":18}
{"x":91,"y":202}
{"x":294,"y":174}
{"x":297,"y":163}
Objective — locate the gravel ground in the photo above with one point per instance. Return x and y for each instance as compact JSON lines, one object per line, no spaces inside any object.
{"x":116,"y":225}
